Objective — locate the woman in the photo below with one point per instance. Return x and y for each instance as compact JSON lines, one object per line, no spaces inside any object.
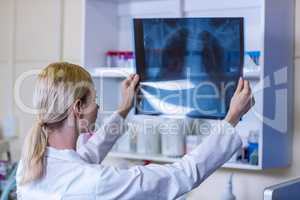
{"x":51,"y":168}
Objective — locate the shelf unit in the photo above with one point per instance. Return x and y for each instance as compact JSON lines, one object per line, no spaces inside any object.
{"x":164,"y":159}
{"x":136,"y":156}
{"x":268,"y":25}
{"x":111,"y":72}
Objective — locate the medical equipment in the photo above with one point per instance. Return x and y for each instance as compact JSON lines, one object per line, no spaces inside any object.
{"x":228,"y":193}
{"x":289,"y":190}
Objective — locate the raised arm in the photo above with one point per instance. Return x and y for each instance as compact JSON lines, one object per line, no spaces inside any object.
{"x":167,"y":182}
{"x":95,"y":149}
{"x":100,"y":143}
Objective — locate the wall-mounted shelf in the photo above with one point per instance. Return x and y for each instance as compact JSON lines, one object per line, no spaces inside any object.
{"x":111,"y":72}
{"x":136,"y":156}
{"x":164,"y":159}
{"x":254,"y":74}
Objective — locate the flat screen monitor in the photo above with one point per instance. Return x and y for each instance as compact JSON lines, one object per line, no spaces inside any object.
{"x":289,"y":190}
{"x":188,"y":66}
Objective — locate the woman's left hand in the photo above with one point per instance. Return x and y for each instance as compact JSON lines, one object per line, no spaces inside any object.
{"x":128,"y":90}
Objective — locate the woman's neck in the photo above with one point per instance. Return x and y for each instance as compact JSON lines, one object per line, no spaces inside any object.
{"x":63,"y":137}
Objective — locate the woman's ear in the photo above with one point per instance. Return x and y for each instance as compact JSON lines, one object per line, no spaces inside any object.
{"x":78,"y":108}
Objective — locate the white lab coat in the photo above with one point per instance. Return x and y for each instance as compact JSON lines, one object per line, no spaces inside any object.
{"x":71,"y":175}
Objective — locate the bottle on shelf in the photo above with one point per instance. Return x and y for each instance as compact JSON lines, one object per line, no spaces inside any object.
{"x":172,"y":137}
{"x":252,"y":149}
{"x":129,"y":59}
{"x":111,"y":58}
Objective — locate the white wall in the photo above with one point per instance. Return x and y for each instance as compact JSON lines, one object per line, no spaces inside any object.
{"x":34,"y":33}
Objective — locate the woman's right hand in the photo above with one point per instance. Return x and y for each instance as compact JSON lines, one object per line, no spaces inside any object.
{"x":240,"y":103}
{"x":128,"y":90}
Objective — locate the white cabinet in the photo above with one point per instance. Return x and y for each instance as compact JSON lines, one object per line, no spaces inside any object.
{"x":269,"y":29}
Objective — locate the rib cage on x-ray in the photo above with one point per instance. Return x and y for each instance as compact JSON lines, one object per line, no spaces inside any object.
{"x":188,"y":66}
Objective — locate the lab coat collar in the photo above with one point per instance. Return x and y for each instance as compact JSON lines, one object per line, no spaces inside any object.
{"x":65,"y":154}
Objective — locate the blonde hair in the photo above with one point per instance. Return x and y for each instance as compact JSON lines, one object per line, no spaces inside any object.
{"x":58,"y":86}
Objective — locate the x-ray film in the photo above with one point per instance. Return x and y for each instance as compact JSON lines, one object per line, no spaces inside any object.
{"x":188,"y":66}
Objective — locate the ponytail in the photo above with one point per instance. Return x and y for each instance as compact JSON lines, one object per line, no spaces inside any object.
{"x":33,"y":153}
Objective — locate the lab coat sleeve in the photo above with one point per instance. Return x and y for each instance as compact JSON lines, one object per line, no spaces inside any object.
{"x":166,"y":182}
{"x":100,"y":143}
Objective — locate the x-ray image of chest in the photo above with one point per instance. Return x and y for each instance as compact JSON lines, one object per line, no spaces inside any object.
{"x":188,"y":57}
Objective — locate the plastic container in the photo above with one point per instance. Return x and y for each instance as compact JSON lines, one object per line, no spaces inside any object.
{"x":253,"y":142}
{"x":120,"y":59}
{"x":253,"y":160}
{"x":112,"y":58}
{"x":129,"y":59}
{"x":172,"y":137}
{"x":252,"y":149}
{"x":127,"y":143}
{"x":148,"y":138}
{"x":124,"y":143}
